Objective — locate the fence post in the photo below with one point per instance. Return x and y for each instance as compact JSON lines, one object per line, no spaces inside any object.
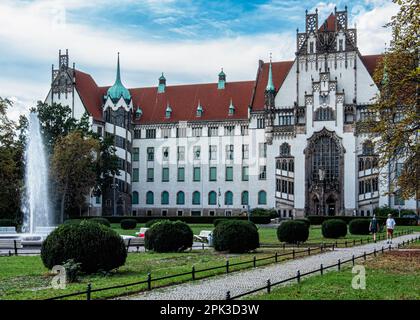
{"x":352,"y":259}
{"x":202,"y":245}
{"x":10,"y":253}
{"x":275,"y":257}
{"x":284,"y":246}
{"x":339,"y":264}
{"x":364,"y":255}
{"x":333,"y":246}
{"x":128,"y":244}
{"x":345,"y":243}
{"x":268,"y":286}
{"x":228,"y":295}
{"x":309,"y":251}
{"x":382,"y":249}
{"x":15,"y":246}
{"x":361,"y":241}
{"x":227,"y":266}
{"x":149,"y":281}
{"x":336,"y":243}
{"x":389,"y":247}
{"x":193,"y":272}
{"x":255,"y":261}
{"x":293,"y":253}
{"x":88,"y":291}
{"x":374,"y":252}
{"x":354,"y":242}
{"x":298,"y":276}
{"x":322,"y":269}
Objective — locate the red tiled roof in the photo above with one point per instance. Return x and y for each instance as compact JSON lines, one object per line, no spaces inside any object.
{"x":90,"y":94}
{"x":329,"y":24}
{"x":184,"y":99}
{"x":279,"y":71}
{"x":370,"y":62}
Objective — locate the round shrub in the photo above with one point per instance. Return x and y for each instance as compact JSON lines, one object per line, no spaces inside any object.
{"x":94,"y":246}
{"x":127,"y":224}
{"x":334,"y":228}
{"x":236,"y":236}
{"x":305,"y":221}
{"x":168,"y":236}
{"x":150,"y":223}
{"x":7,"y":223}
{"x":359,"y":226}
{"x":101,"y":220}
{"x":293,"y":231}
{"x":73,"y":221}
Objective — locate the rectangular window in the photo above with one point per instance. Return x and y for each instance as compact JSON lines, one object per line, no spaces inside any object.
{"x":262,"y":150}
{"x":150,"y":133}
{"x":181,"y":132}
{"x":135,"y":175}
{"x":136,"y":153}
{"x":197,"y":131}
{"x":213,"y":131}
{"x":260,"y":123}
{"x":99,"y":130}
{"x":245,"y":151}
{"x":398,"y":200}
{"x":150,"y":174}
{"x":229,"y":152}
{"x":181,"y":153}
{"x":213,"y":174}
{"x":244,"y":130}
{"x":165,"y":174}
{"x":150,"y":154}
{"x":263,"y":173}
{"x":229,"y":173}
{"x":196,"y":174}
{"x":181,"y":174}
{"x":229,"y":130}
{"x":165,"y":153}
{"x":196,"y":152}
{"x":245,"y":174}
{"x":166,"y":133}
{"x":98,"y":200}
{"x":212,"y":152}
{"x":137,"y":133}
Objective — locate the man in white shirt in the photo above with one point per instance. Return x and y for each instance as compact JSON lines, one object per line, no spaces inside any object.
{"x":390,"y":225}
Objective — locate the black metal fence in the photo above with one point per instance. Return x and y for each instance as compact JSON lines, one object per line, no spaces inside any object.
{"x":320,"y":270}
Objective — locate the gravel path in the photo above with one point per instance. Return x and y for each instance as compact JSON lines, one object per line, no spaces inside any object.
{"x":215,"y":288}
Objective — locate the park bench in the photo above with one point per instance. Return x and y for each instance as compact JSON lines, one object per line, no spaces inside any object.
{"x":12,"y":244}
{"x":203,"y":236}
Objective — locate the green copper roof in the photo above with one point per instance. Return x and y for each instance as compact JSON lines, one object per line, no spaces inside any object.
{"x":222,"y":73}
{"x":118,"y":90}
{"x":231,"y":107}
{"x":162,"y":77}
{"x":270,"y":84}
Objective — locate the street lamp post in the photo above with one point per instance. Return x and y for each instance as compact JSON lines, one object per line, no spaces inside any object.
{"x":114,"y":186}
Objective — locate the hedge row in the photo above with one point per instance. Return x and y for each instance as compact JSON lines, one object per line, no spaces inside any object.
{"x":187,"y":219}
{"x":317,"y":220}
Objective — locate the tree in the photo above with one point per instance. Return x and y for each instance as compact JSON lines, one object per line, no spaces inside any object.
{"x":74,"y":162}
{"x":11,"y":165}
{"x":396,"y":124}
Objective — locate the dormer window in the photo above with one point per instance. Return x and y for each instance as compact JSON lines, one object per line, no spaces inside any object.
{"x":199,"y":112}
{"x":231,"y":108}
{"x":168,"y":112}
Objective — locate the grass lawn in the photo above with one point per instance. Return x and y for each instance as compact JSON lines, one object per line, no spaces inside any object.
{"x":393,"y":275}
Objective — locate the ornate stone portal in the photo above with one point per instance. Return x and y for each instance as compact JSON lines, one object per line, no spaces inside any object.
{"x":324,"y":165}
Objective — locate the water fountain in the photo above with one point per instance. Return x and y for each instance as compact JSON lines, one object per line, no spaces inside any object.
{"x":38,"y":219}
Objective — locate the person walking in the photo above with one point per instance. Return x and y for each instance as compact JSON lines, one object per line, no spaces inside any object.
{"x":390,"y":225}
{"x":374,"y":227}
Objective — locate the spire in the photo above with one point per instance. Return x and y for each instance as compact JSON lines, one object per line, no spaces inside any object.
{"x":118,"y":90}
{"x":162,"y":84}
{"x":270,"y":85}
{"x":222,"y":80}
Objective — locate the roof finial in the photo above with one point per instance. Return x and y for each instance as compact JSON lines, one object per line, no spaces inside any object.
{"x":118,"y":68}
{"x":270,"y":85}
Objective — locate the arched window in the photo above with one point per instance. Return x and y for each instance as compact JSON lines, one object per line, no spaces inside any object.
{"x":228,"y":198}
{"x":325,"y":159}
{"x":367,"y":164}
{"x":284,"y":165}
{"x":285,"y":149}
{"x":150,"y":197}
{"x":368,"y":148}
{"x":164,"y":198}
{"x":262,"y":197}
{"x":291,"y":166}
{"x":245,"y":198}
{"x":361,"y":164}
{"x":135,"y":198}
{"x":180,"y":197}
{"x":196,"y":198}
{"x":212,"y":198}
{"x":324,"y":114}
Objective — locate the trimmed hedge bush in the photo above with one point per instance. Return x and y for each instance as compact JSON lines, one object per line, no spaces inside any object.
{"x":235,"y":236}
{"x":150,"y":223}
{"x":7,"y":223}
{"x":293,"y":231}
{"x":403,"y":221}
{"x":305,"y":221}
{"x":101,"y":220}
{"x":168,"y":236}
{"x":359,"y":226}
{"x":334,"y":228}
{"x":93,"y":245}
{"x":261,"y":212}
{"x":73,"y":221}
{"x":128,"y":224}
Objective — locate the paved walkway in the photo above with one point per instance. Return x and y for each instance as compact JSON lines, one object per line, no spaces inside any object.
{"x":215,"y":288}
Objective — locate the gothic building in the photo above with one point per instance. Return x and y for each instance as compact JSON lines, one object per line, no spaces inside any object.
{"x":289,"y":140}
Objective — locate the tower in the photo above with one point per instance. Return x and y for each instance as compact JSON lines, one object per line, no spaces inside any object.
{"x":269,"y":107}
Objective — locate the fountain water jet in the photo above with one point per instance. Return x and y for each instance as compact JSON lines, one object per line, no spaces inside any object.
{"x":37,"y":213}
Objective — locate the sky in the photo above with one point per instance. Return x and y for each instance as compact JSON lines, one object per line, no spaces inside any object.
{"x":188,"y":40}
